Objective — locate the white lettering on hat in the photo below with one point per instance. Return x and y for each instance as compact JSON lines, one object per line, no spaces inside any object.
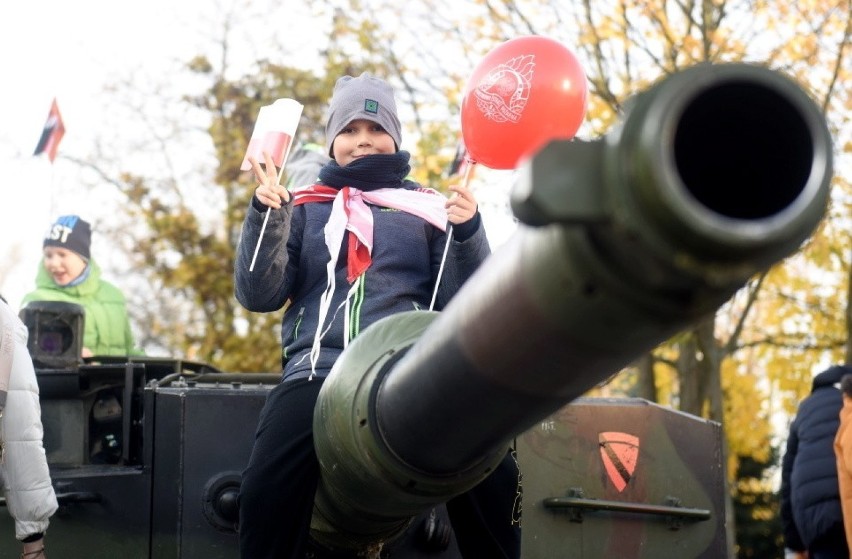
{"x":59,"y":233}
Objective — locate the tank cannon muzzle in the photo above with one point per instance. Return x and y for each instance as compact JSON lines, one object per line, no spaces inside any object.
{"x":715,"y":164}
{"x":713,"y":175}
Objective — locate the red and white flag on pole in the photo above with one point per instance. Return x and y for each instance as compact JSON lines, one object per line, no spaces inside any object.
{"x":52,"y":133}
{"x":273,"y":132}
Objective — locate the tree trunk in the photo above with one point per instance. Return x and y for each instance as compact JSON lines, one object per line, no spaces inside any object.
{"x":646,"y":386}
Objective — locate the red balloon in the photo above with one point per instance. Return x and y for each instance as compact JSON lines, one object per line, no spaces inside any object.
{"x":524,"y":93}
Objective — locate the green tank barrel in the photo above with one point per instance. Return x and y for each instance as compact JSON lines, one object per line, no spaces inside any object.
{"x":712,"y":175}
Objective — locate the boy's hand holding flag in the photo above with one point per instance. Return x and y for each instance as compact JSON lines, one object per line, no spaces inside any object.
{"x":270,"y":143}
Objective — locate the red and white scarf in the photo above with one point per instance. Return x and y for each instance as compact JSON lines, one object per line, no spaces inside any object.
{"x":349,"y":212}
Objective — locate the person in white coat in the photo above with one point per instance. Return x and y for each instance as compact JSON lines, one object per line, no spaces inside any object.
{"x":24,"y":473}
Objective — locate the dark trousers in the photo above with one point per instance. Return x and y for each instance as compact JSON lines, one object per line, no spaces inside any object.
{"x":486,"y":520}
{"x":279,"y":483}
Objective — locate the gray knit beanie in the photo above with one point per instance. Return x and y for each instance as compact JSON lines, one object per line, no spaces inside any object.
{"x":366,"y":97}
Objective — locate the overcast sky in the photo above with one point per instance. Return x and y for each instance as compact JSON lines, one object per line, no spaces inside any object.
{"x":71,"y":50}
{"x":66,"y":50}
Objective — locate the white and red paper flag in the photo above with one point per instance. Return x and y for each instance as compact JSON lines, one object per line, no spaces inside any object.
{"x":52,"y":133}
{"x":273,"y":132}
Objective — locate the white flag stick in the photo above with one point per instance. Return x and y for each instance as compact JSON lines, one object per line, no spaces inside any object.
{"x":468,"y":174}
{"x":266,"y":215}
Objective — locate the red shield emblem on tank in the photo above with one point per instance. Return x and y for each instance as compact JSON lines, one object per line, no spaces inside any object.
{"x":619,"y":452}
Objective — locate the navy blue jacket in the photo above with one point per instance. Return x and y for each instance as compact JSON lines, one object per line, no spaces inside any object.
{"x":291,"y":269}
{"x":810,"y":498}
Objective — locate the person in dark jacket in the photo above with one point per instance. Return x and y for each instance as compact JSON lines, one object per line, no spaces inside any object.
{"x":360,"y":244}
{"x":810,"y":497}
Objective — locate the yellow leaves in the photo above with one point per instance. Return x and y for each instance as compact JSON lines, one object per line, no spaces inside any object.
{"x":802,"y":47}
{"x":606,"y":28}
{"x":599,"y":115}
{"x":746,"y":424}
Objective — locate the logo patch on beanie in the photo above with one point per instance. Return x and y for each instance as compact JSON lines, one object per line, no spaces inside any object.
{"x":371,"y":106}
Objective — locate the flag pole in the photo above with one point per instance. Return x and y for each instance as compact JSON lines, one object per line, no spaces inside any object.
{"x":266,"y":214}
{"x":52,"y":199}
{"x":48,"y":144}
{"x":468,"y":174}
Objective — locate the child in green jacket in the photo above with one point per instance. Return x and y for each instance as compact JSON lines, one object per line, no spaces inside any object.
{"x":68,"y":273}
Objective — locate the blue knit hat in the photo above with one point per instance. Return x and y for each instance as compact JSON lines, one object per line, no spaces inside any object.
{"x":70,"y":232}
{"x":365,"y":97}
